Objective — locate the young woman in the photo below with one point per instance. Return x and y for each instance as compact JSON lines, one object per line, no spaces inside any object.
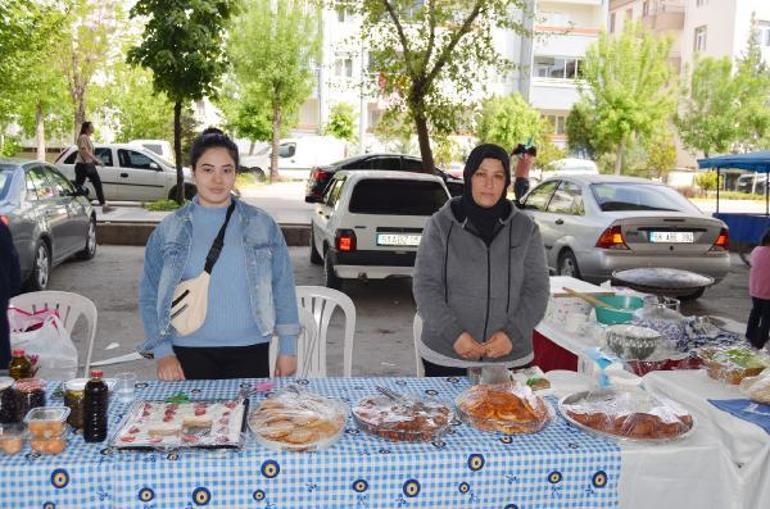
{"x":86,"y":162}
{"x":481,"y":281}
{"x":251,"y":288}
{"x":758,"y":326}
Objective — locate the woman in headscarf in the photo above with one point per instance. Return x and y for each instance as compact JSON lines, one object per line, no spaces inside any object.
{"x":481,"y":280}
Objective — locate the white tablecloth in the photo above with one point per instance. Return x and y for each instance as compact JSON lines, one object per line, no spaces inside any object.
{"x":747,"y":445}
{"x":696,"y":471}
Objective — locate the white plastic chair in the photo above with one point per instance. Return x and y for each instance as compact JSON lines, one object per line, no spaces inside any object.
{"x":321,"y":302}
{"x":309,"y":363}
{"x":70,"y":307}
{"x":417,"y":332}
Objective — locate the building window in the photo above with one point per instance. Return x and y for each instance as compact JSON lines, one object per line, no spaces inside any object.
{"x":612,"y":23}
{"x":555,"y":19}
{"x":701,"y":3}
{"x":763,"y":33}
{"x":560,"y":68}
{"x":343,"y":14}
{"x":343,"y":67}
{"x":646,"y":8}
{"x":558,"y":124}
{"x":700,"y":39}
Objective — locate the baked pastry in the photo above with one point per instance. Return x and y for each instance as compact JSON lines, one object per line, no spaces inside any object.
{"x":507,"y":408}
{"x":402,"y":419}
{"x":733,"y":364}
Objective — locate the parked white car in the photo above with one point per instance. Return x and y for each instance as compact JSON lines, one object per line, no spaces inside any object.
{"x":161,"y":147}
{"x":565,"y":168}
{"x":297,"y":156}
{"x":369,"y":223}
{"x":129,"y":173}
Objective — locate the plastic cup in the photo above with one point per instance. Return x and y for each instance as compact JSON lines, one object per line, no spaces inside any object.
{"x":124,"y":387}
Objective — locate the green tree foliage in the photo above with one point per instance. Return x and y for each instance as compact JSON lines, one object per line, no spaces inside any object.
{"x":753,"y":77}
{"x":183,"y":46}
{"x":709,"y":113}
{"x":342,"y":122}
{"x":661,"y":153}
{"x":707,"y":180}
{"x":274,"y":46}
{"x":396,"y":129}
{"x":581,"y":127}
{"x":627,"y":92}
{"x":435,"y":55}
{"x":247,"y":115}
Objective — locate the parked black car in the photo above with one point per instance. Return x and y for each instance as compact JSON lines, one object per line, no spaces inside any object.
{"x":49,"y":219}
{"x":320,"y":176}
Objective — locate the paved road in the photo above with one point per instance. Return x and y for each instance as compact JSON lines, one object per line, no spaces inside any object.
{"x":385,"y":310}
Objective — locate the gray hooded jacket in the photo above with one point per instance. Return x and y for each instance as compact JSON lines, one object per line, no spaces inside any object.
{"x":461,"y":285}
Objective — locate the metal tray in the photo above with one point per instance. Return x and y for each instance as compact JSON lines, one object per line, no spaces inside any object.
{"x":575,"y":397}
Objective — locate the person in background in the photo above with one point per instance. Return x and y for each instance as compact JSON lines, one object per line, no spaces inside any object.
{"x":86,"y":162}
{"x":525,"y":156}
{"x":10,"y":283}
{"x":758,"y":325}
{"x":480,"y":282}
{"x":251,"y":293}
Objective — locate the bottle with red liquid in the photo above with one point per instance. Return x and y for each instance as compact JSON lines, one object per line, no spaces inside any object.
{"x":19,"y":367}
{"x":95,"y":402}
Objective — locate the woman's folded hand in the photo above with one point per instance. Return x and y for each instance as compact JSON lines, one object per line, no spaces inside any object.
{"x":169,"y":369}
{"x":499,"y":345}
{"x":468,"y":348}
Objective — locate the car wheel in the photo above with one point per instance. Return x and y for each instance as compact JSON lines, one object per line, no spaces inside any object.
{"x":331,"y":280}
{"x":259,"y":173}
{"x":693,"y":296}
{"x":90,"y":250}
{"x":190,"y":191}
{"x":315,"y":256}
{"x":41,"y":268}
{"x":567,"y":265}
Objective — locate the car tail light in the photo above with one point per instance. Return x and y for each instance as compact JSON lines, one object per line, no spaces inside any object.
{"x":612,"y":238}
{"x":4,"y":220}
{"x":345,"y":241}
{"x":320,"y":175}
{"x":723,"y":241}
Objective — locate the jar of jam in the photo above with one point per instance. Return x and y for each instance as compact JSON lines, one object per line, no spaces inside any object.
{"x":30,"y":393}
{"x":8,"y":413}
{"x":74,"y":390}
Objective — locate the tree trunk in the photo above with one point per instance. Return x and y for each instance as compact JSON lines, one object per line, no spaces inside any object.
{"x":276,"y":137}
{"x":40,"y":131}
{"x":251,"y":147}
{"x":178,"y":152}
{"x":79,"y":97}
{"x":619,"y":157}
{"x":421,"y":123}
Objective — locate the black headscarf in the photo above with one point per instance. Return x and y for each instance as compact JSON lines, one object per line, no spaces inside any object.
{"x":485,"y":219}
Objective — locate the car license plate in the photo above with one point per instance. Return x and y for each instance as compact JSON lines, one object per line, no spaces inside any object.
{"x":672,"y":237}
{"x":398,"y":239}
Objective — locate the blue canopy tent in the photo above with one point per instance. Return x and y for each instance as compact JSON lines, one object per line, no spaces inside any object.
{"x":744,"y":227}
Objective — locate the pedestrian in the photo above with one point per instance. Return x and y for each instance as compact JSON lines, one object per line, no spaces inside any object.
{"x":481,"y":281}
{"x":218,"y":282}
{"x":86,"y":162}
{"x":758,"y":326}
{"x":10,"y":283}
{"x":525,"y":156}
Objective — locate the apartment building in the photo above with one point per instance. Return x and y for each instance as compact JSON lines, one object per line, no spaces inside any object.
{"x":548,"y":64}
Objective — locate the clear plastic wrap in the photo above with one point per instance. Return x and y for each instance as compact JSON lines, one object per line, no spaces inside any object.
{"x":11,"y":438}
{"x":632,"y":342}
{"x":402,"y":418}
{"x":295,"y":419}
{"x":757,"y":388}
{"x":200,"y":423}
{"x":732,"y":364}
{"x":627,"y":414}
{"x":509,"y":408}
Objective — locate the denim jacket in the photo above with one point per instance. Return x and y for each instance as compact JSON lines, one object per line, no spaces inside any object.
{"x":268,"y":267}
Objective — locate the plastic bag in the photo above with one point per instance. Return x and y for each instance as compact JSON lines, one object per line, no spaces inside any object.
{"x":298,"y":420}
{"x":508,"y":408}
{"x":43,"y":335}
{"x":628,"y":414}
{"x":402,"y":418}
{"x":757,"y":387}
{"x":732,"y":364}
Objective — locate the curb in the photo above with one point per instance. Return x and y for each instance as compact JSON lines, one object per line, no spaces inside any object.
{"x":137,"y":233}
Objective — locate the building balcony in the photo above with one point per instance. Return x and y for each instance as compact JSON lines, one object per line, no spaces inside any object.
{"x":664,"y":15}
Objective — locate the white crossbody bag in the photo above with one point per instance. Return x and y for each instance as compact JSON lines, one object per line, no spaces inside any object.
{"x":190,"y":303}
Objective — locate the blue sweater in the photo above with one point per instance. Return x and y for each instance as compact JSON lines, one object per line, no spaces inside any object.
{"x":228,"y":318}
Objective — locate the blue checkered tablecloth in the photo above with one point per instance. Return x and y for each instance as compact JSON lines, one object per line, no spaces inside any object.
{"x":557,"y":467}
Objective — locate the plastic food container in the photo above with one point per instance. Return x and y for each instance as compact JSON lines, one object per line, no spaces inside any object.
{"x":732,"y":364}
{"x":11,"y":439}
{"x":632,"y":415}
{"x":406,"y":419}
{"x":508,"y":408}
{"x":298,"y":420}
{"x":8,"y":412}
{"x":30,"y":393}
{"x":757,"y":387}
{"x":47,"y":422}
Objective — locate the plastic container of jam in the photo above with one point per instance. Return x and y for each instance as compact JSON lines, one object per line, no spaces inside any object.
{"x":47,"y":429}
{"x":8,"y":413}
{"x":11,"y":439}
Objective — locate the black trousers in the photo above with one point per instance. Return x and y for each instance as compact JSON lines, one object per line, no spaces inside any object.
{"x":758,"y":325}
{"x":5,"y":336}
{"x":520,"y":187}
{"x":442,"y":371}
{"x":83,"y":170}
{"x":213,"y":363}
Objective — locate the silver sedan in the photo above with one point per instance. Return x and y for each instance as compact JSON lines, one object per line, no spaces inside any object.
{"x":594,"y":225}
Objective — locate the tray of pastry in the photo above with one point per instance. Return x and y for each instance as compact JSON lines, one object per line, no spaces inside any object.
{"x":508,"y":408}
{"x":158,"y":424}
{"x":295,"y":419}
{"x":399,"y":418}
{"x":631,"y":415}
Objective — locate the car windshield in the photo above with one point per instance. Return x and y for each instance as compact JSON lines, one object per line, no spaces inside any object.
{"x":397,"y":197}
{"x":613,"y":197}
{"x":6,"y":174}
